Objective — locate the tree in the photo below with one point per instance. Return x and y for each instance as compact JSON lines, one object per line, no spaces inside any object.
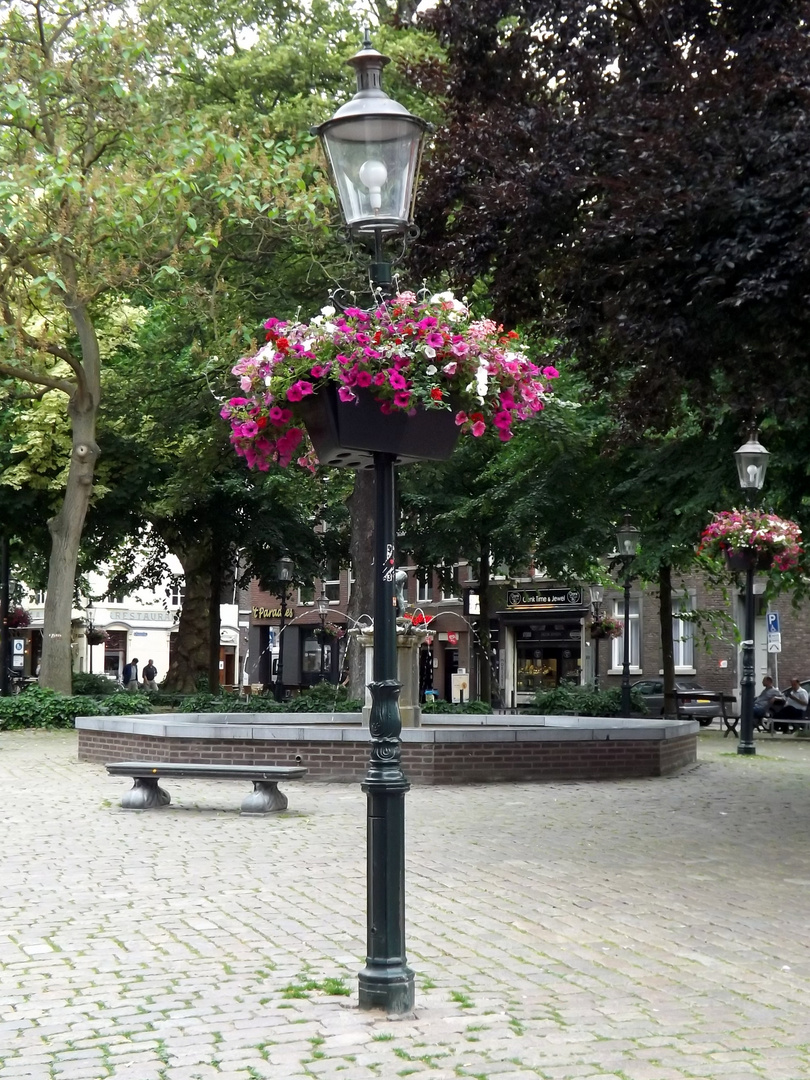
{"x":635,"y":175}
{"x":104,"y":185}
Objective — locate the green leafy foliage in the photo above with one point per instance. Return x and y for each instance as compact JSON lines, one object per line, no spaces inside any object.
{"x":38,"y":707}
{"x":446,"y":708}
{"x":94,"y":685}
{"x":584,"y":701}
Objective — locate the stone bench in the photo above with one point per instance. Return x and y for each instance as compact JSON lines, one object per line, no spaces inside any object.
{"x":146,"y":793}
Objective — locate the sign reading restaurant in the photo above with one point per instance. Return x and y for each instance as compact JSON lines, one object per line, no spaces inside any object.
{"x":538,"y":599}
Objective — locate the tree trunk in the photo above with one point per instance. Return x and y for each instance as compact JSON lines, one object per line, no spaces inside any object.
{"x":56,"y":670}
{"x":667,"y":650}
{"x":192,"y":655}
{"x":215,"y":591}
{"x":361,"y":545}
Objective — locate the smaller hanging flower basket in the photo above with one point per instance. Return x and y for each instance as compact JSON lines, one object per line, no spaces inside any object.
{"x":606,"y":627}
{"x":752,"y":539}
{"x":329,"y":633}
{"x":97,"y":637}
{"x":18,"y":619}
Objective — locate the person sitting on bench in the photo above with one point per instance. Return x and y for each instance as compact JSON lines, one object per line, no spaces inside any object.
{"x":794,"y":708}
{"x":770,"y":699}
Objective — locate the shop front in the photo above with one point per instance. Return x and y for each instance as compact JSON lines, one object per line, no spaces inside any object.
{"x":541,"y":640}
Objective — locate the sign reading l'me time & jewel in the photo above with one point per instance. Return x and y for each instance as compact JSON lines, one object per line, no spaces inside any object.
{"x":538,"y":599}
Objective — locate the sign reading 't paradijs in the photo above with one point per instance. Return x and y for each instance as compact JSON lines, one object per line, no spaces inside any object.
{"x":538,"y":599}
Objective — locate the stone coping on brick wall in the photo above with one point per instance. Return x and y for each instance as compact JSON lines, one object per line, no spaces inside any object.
{"x":322,"y":727}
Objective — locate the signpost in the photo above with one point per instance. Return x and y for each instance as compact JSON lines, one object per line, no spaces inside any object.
{"x":774,"y":632}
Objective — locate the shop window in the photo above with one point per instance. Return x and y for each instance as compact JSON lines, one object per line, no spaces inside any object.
{"x":634,"y":629}
{"x":683,"y":634}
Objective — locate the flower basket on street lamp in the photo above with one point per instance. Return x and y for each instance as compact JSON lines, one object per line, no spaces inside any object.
{"x":406,"y":379}
{"x":18,"y":619}
{"x":749,"y":538}
{"x":606,"y":627}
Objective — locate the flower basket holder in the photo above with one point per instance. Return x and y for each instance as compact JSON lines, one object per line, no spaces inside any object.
{"x":347,"y":434}
{"x":743,"y":559}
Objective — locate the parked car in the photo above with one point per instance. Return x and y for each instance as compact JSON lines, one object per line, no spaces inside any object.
{"x":702,"y":709}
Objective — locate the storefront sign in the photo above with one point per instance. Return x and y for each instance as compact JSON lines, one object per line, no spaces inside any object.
{"x":272,"y":613}
{"x":538,"y":599}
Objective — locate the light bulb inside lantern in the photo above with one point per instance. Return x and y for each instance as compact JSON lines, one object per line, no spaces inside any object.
{"x":752,"y":476}
{"x":374,"y":174}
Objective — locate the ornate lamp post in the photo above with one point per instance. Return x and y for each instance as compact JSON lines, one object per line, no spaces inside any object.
{"x":323,"y":608}
{"x":752,"y":463}
{"x":373,"y":145}
{"x":284,"y":575}
{"x":627,"y":539}
{"x":597,"y":593}
{"x":90,"y":636}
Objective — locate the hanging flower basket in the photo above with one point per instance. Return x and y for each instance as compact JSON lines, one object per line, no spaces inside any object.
{"x":329,"y":633}
{"x":97,"y":637}
{"x":743,"y":559}
{"x":18,"y":619}
{"x":606,"y":627}
{"x":752,"y":539}
{"x":426,"y":366}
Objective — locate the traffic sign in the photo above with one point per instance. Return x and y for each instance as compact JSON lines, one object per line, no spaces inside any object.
{"x":773,"y":622}
{"x":774,"y":643}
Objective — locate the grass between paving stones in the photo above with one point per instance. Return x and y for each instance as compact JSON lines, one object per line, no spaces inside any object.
{"x":333,"y":987}
{"x":461,"y":998}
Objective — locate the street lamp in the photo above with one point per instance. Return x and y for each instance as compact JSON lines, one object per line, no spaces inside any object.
{"x":323,"y":608}
{"x":374,"y":145}
{"x":596,"y":593}
{"x":752,"y":463}
{"x":627,"y":540}
{"x":285,"y":569}
{"x":90,"y":635}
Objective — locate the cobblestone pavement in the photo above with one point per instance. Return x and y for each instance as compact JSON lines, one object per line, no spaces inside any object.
{"x":640,"y":930}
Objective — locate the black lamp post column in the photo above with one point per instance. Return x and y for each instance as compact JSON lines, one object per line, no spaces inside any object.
{"x":626,"y":703}
{"x":386,"y":982}
{"x":747,"y":680}
{"x":5,"y":596}
{"x":597,"y":593}
{"x":323,"y":607}
{"x":284,"y":573}
{"x":627,"y":539}
{"x":752,"y":462}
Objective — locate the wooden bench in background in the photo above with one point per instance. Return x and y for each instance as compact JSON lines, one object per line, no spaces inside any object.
{"x":146,"y":793}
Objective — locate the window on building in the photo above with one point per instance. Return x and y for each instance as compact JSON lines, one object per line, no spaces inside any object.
{"x":449,"y":582}
{"x":176,"y":596}
{"x":424,"y":586}
{"x":683,"y":633}
{"x":634,"y":629}
{"x":306,"y":594}
{"x":331,"y":580}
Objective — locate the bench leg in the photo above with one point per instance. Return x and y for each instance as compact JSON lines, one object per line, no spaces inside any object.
{"x":264,"y":799}
{"x":145,"y":794}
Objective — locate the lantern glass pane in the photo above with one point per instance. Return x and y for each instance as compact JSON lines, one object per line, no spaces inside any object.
{"x":374,"y":162}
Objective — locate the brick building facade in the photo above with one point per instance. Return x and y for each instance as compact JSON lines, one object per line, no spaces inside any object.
{"x":539,"y":635}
